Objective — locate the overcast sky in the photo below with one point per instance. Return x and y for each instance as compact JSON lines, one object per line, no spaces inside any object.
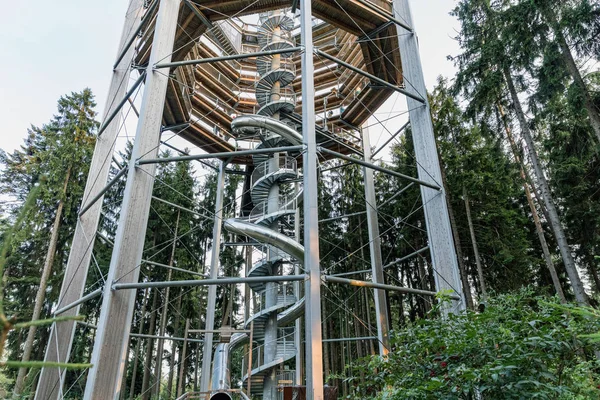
{"x":50,"y":48}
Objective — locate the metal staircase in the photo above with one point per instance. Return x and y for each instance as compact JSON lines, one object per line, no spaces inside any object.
{"x":275,"y":197}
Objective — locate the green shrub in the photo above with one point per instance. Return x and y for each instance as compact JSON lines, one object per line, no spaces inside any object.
{"x":520,"y":347}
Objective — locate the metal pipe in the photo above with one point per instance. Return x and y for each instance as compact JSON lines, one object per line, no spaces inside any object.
{"x":364,"y":271}
{"x":92,"y":295}
{"x":208,"y":282}
{"x":353,"y":282}
{"x":145,"y":18}
{"x":378,"y":168}
{"x":390,"y":139}
{"x":101,"y":193}
{"x":227,"y":154}
{"x":228,"y":58}
{"x":117,"y":109}
{"x":370,"y":76}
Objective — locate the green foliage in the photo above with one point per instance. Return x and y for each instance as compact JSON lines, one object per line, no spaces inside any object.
{"x":520,"y":347}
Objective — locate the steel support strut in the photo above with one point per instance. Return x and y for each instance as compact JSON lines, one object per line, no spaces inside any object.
{"x":61,"y":334}
{"x":380,"y":296}
{"x":443,"y":253}
{"x":110,"y":346}
{"x":212,"y":290}
{"x":314,"y":337}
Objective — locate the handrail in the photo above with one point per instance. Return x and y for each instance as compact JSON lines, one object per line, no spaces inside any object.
{"x":263,"y":169}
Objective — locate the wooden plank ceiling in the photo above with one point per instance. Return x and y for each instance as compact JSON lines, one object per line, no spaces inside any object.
{"x":207,"y":96}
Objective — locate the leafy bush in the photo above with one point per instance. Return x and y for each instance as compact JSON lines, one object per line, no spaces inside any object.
{"x":520,"y":347}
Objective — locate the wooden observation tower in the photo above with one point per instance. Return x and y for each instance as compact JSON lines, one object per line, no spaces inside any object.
{"x":275,"y":86}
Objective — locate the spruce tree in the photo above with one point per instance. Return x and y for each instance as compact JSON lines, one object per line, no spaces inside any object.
{"x":56,"y":155}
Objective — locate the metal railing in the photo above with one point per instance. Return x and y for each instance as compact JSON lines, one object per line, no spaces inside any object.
{"x":286,"y":203}
{"x":264,"y":65}
{"x":264,"y":168}
{"x":285,"y":94}
{"x":283,"y":291}
{"x":285,"y":343}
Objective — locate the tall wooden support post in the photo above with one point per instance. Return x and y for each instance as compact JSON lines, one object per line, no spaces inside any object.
{"x":383,"y":322}
{"x":212,"y":290}
{"x":312,"y":287}
{"x":439,"y":232}
{"x":62,"y":333}
{"x":110,"y":346}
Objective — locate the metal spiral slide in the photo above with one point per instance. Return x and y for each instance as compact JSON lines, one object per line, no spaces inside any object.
{"x":269,"y":221}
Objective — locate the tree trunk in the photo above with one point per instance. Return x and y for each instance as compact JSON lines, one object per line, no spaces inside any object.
{"x":559,"y":233}
{"x":475,"y":247}
{"x":41,"y":293}
{"x":536,"y":219}
{"x":163,"y":315}
{"x":464,"y":277}
{"x":149,"y":349}
{"x":136,"y":352}
{"x":589,"y":105}
{"x":175,"y":347}
{"x":181,"y":382}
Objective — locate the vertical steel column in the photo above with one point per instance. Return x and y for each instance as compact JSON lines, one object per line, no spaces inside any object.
{"x":380,"y":296}
{"x":312,"y":287}
{"x":298,"y":323}
{"x":212,"y":290}
{"x":62,"y":333}
{"x":110,"y":346}
{"x":271,"y":292}
{"x":443,"y":253}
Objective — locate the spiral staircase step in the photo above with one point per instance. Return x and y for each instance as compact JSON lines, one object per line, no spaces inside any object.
{"x":273,"y":21}
{"x":260,"y":190}
{"x":272,"y":107}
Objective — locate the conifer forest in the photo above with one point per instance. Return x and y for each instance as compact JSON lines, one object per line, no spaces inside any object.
{"x":517,"y":131}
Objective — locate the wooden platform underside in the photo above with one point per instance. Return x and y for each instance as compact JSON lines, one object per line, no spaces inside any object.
{"x":208,"y":96}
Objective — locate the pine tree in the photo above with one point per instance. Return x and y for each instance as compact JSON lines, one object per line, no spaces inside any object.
{"x":486,"y":76}
{"x":57,"y":155}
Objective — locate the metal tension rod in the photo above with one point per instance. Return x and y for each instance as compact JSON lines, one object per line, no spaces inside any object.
{"x":378,"y":168}
{"x":92,"y":295}
{"x":385,"y":14}
{"x":135,"y":34}
{"x":370,"y":76}
{"x":181,"y":208}
{"x":404,"y":189}
{"x":350,"y":339}
{"x":173,"y":338}
{"x":101,"y":193}
{"x":228,"y":58}
{"x":364,"y":271}
{"x":227,"y":154}
{"x":342,"y":216}
{"x":187,"y":271}
{"x":353,"y":282}
{"x":208,"y":282}
{"x":390,"y":139}
{"x":117,"y":109}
